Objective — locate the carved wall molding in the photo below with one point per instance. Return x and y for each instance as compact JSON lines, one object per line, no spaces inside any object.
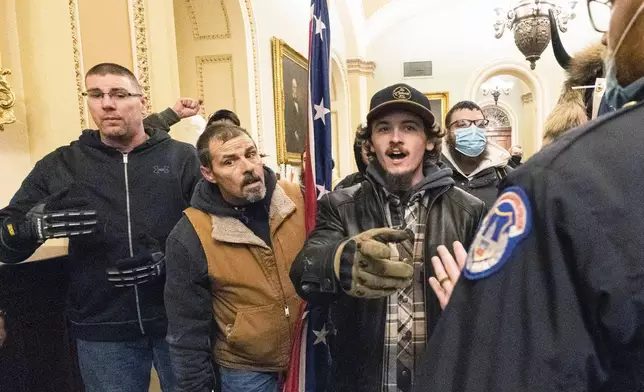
{"x":361,"y":67}
{"x":195,"y":25}
{"x":78,"y":61}
{"x":140,"y":47}
{"x":258,"y":106}
{"x":7,"y":100}
{"x":527,"y":98}
{"x":214,"y":59}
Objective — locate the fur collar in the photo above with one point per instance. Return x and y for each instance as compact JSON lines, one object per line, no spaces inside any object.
{"x":570,"y":111}
{"x":586,"y":66}
{"x":231,"y":230}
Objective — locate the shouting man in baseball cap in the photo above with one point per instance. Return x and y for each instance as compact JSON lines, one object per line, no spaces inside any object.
{"x":370,"y":255}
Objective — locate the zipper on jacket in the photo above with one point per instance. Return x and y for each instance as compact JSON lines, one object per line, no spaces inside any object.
{"x":129,"y":236}
{"x":287,"y":311}
{"x":425,"y":246}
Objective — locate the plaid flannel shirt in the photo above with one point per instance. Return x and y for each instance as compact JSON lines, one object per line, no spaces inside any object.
{"x":405,"y":332}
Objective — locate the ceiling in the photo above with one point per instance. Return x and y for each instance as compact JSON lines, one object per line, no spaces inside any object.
{"x":371,"y":6}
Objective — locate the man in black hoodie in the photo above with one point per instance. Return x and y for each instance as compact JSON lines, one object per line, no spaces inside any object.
{"x":121,"y":189}
{"x":369,"y":257}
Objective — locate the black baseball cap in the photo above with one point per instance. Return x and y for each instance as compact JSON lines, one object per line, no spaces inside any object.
{"x":400,"y":97}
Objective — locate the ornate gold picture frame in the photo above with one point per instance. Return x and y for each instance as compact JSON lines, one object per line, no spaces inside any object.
{"x":290,"y":87}
{"x":7,"y":100}
{"x":440,"y":105}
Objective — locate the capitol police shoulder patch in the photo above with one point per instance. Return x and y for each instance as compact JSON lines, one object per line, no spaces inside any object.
{"x":506,"y":224}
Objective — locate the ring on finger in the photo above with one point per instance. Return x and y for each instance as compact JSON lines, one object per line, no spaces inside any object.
{"x":445,"y":279}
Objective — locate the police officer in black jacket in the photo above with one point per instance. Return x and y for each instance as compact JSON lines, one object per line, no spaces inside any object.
{"x":552,"y":297}
{"x":116,"y":193}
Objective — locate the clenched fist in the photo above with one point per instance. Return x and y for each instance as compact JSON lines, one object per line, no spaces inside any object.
{"x":187,"y":107}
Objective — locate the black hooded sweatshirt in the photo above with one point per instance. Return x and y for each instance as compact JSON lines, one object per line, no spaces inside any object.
{"x":140,"y":193}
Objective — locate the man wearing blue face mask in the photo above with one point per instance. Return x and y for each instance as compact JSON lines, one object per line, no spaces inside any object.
{"x":478,"y":164}
{"x":552,"y":295}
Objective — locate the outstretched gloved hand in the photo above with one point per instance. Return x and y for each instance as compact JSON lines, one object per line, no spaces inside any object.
{"x":55,"y":217}
{"x":364,"y":268}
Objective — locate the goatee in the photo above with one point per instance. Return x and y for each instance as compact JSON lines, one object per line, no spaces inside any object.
{"x":257,"y":195}
{"x":396,"y":183}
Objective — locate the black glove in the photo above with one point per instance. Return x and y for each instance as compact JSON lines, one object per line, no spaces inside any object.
{"x":137,"y":270}
{"x":140,"y":268}
{"x":54,"y":217}
{"x":363,"y":266}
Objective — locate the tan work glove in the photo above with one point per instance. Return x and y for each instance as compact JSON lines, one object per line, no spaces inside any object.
{"x":364,"y":268}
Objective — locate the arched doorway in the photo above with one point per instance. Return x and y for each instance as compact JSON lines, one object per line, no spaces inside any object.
{"x":499,"y":129}
{"x":533,"y":99}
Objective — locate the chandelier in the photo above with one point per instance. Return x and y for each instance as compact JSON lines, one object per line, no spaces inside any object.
{"x":531,"y":24}
{"x":500,"y":87}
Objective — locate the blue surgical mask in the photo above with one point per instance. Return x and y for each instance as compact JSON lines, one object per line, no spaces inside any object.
{"x":616,"y":95}
{"x":471,"y":141}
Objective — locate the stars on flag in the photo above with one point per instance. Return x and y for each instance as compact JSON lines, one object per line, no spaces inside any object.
{"x":321,"y":335}
{"x":319,"y":25}
{"x":321,"y":112}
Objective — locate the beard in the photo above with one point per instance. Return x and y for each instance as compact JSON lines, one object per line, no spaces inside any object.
{"x":397,"y":183}
{"x":257,"y":194}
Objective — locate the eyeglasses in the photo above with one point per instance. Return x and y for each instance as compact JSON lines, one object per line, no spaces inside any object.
{"x":464,"y":123}
{"x":599,"y":13}
{"x":115,"y":95}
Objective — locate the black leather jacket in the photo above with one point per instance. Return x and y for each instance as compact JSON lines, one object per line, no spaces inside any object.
{"x":359,"y":323}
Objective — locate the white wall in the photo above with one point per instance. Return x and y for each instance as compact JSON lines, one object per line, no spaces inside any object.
{"x":527,"y":119}
{"x":459,"y":38}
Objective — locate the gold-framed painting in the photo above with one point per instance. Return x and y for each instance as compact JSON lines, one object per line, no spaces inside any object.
{"x":290,"y":87}
{"x":440,"y":105}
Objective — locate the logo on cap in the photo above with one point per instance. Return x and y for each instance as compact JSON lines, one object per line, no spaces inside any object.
{"x":401,"y":92}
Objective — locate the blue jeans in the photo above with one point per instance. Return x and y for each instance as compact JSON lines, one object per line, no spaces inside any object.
{"x":246,"y":381}
{"x":124,"y":366}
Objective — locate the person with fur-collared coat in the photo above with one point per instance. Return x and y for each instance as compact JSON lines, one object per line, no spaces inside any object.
{"x":575,"y":106}
{"x":578,"y":103}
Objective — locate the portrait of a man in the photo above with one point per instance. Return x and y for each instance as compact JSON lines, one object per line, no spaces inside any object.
{"x":295,"y":106}
{"x":290,"y":82}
